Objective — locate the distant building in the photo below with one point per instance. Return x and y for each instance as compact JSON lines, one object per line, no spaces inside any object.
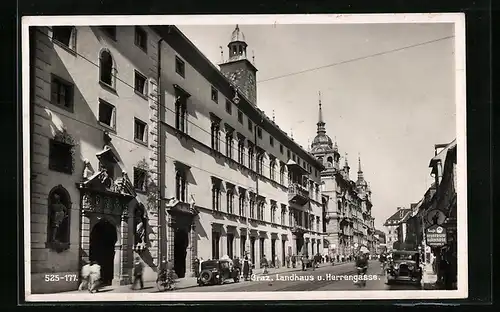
{"x":348,"y":207}
{"x":380,"y":241}
{"x":395,"y":227}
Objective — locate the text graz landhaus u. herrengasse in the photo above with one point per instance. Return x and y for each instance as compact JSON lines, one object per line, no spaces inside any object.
{"x":141,"y":147}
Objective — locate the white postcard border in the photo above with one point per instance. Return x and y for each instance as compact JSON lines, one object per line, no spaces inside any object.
{"x":458,"y":19}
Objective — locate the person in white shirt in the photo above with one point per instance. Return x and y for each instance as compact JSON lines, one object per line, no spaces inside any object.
{"x":85,"y":273}
{"x":94,"y":276}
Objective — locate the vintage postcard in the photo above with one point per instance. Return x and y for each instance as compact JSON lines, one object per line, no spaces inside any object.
{"x":266,"y":157}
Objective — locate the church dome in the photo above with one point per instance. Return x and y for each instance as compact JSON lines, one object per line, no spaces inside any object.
{"x":322,"y":143}
{"x":237,"y":35}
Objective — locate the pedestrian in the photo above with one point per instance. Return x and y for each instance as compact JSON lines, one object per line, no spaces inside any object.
{"x":276,"y":262}
{"x":264,"y":264}
{"x":85,"y":273}
{"x":196,"y":267}
{"x":246,"y":268}
{"x":138,"y":270}
{"x":94,"y":276}
{"x":287,"y":260}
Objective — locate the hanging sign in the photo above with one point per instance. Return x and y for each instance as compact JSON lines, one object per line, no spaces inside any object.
{"x":436,"y":236}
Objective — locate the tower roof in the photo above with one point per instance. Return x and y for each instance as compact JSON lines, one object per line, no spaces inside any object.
{"x":322,"y":142}
{"x":237,"y":35}
{"x":361,"y":179}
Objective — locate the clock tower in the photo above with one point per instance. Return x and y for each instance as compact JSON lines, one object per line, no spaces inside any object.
{"x":238,"y":69}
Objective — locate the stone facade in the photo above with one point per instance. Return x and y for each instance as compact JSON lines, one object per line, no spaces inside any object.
{"x":231,"y":174}
{"x":349,"y":222}
{"x":84,"y":113}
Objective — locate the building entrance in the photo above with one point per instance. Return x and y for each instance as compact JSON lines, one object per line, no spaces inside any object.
{"x":283,"y":257}
{"x":300,"y":245}
{"x":273,"y":252}
{"x":102,"y":248}
{"x":181,"y":241}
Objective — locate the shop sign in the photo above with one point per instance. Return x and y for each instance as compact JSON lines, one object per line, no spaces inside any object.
{"x":436,"y":236}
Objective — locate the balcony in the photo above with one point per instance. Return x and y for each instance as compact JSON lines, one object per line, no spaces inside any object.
{"x":298,"y":229}
{"x":298,"y":194}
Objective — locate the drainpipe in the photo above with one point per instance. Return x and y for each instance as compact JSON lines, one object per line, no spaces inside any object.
{"x":160,"y":145}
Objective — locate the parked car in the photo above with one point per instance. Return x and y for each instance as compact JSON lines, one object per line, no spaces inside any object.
{"x":217,"y":272}
{"x":404,"y":266}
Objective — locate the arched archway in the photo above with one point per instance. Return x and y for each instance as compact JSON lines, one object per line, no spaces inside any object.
{"x":102,"y":248}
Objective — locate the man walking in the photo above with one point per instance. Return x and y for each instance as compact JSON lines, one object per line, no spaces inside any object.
{"x":138,"y":270}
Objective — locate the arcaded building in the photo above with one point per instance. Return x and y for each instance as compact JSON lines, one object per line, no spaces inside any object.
{"x":236,"y":184}
{"x":93,"y":167}
{"x":348,"y":219}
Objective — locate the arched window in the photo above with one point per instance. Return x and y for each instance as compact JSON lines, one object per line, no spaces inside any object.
{"x":329,"y":161}
{"x":106,"y":68}
{"x":58,"y":225}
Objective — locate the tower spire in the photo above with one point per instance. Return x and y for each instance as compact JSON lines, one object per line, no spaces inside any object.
{"x":359,"y":164}
{"x":321,"y":123}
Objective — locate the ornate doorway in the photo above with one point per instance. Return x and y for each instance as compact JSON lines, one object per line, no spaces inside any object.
{"x":181,"y":242}
{"x":102,"y":248}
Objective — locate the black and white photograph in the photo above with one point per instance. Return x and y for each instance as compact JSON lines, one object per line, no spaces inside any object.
{"x":255,"y":157}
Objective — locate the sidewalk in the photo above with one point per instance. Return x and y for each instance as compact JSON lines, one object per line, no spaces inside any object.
{"x":429,"y":278}
{"x":190,"y":282}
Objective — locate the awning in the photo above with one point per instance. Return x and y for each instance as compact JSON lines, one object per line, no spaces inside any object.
{"x":109,"y":153}
{"x":180,"y":165}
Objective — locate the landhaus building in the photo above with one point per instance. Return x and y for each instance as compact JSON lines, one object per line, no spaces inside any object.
{"x":236,"y":184}
{"x":348,"y":207}
{"x":93,"y":128}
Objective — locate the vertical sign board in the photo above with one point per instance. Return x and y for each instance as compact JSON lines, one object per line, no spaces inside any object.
{"x":435,"y":236}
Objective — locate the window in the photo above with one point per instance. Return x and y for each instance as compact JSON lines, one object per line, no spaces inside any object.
{"x":215,"y":133}
{"x":290,"y":218}
{"x":140,"y":85}
{"x":110,"y":31}
{"x":181,"y":186}
{"x":241,"y":203}
{"x":283,"y":214}
{"x":252,"y":206}
{"x":240,"y":117}
{"x":260,"y":163}
{"x":140,"y":179}
{"x":141,"y":38}
{"x":140,"y":131}
{"x":181,"y":113}
{"x":282,"y":174}
{"x":229,"y":107}
{"x":106,"y":68}
{"x":180,"y":67}
{"x":60,"y":157}
{"x":216,"y":193}
{"x":250,"y":125}
{"x":272,"y":169}
{"x":260,"y":211}
{"x":259,"y":133}
{"x":241,"y":151}
{"x":230,"y":200}
{"x":288,"y":153}
{"x":107,"y":114}
{"x":65,"y":35}
{"x":273,"y":211}
{"x":293,"y":157}
{"x":215,"y":95}
{"x":215,"y":245}
{"x":271,"y":140}
{"x":316,"y":173}
{"x":61,"y":93}
{"x":250,"y":157}
{"x":230,"y":243}
{"x":229,"y":144}
{"x":281,"y":149}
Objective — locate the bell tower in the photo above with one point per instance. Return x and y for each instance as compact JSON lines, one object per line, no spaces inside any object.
{"x":238,"y":69}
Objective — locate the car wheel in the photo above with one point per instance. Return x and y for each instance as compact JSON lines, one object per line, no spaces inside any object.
{"x":205,"y":276}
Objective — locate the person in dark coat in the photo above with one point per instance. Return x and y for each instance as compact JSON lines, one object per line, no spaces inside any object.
{"x":196,"y":267}
{"x":246,"y":268}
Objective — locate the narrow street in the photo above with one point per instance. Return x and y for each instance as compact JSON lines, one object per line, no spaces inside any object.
{"x":323,"y":279}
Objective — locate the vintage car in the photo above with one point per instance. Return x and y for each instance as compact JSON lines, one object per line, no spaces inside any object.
{"x":404,"y":266}
{"x":217,"y":272}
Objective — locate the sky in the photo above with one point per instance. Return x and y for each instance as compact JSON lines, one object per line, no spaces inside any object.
{"x":390,"y":108}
